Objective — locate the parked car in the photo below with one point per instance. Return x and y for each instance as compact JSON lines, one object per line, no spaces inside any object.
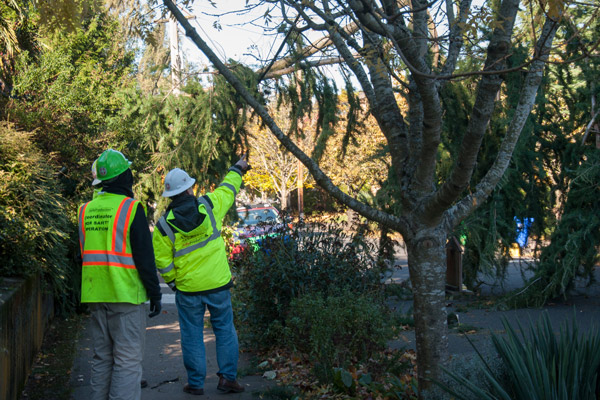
{"x":255,"y":223}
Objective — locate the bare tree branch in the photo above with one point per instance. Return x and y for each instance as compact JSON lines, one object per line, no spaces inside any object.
{"x":308,"y":51}
{"x":308,"y":64}
{"x":522,"y":112}
{"x":588,"y":127}
{"x":320,"y":177}
{"x":482,"y":110}
{"x":456,"y":35}
{"x":409,"y":51}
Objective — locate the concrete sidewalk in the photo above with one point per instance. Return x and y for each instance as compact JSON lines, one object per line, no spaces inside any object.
{"x":166,"y":375}
{"x":583,"y":304}
{"x":585,"y":309}
{"x":163,"y":363}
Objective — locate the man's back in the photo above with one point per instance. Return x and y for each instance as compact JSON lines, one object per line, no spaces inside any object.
{"x":108,"y":268}
{"x":190,"y":252}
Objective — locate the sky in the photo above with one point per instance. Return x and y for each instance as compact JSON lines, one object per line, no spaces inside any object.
{"x":237,"y":39}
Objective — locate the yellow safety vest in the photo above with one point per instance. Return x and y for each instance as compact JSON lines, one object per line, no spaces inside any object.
{"x":108,"y":272}
{"x":197,"y":260}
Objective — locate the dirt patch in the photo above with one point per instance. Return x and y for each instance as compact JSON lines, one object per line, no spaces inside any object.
{"x":51,"y":371}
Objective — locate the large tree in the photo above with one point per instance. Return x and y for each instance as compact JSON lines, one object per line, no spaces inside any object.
{"x":414,"y":48}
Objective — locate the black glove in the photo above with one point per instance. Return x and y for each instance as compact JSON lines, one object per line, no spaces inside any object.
{"x":155,"y":307}
{"x":242,"y":164}
{"x":172,"y":285}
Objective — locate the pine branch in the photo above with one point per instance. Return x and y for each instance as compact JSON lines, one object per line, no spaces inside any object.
{"x":320,"y":177}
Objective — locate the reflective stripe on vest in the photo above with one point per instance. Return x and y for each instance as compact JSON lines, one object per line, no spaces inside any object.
{"x":169,"y":232}
{"x":229,"y":186}
{"x":117,"y":255}
{"x":99,"y":257}
{"x":121,"y":225}
{"x":81,"y":231}
{"x":166,"y":269}
{"x":186,"y":250}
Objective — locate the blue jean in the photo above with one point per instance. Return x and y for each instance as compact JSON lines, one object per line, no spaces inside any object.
{"x":191,"y":324}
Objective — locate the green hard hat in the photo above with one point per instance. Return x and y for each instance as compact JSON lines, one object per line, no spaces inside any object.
{"x":111,"y":163}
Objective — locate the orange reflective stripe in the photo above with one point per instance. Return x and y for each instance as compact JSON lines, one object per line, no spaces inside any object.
{"x":116,"y":224}
{"x":117,"y":256}
{"x":126,"y":226}
{"x":110,"y":258}
{"x":117,"y":253}
{"x":105,"y":264}
{"x":121,"y":224}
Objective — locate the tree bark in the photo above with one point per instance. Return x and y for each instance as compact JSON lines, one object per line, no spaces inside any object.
{"x":284,"y":198}
{"x":426,"y":264}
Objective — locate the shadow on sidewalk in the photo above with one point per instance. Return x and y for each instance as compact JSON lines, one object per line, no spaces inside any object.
{"x":163,"y":364}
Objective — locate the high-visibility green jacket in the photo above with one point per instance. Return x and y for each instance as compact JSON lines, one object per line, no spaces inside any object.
{"x":188,"y":246}
{"x":109,"y":274}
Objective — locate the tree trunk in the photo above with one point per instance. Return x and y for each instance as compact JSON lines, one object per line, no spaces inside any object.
{"x":427,"y":263}
{"x":284,"y":198}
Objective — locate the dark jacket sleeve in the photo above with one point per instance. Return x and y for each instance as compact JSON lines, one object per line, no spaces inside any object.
{"x":143,"y":253}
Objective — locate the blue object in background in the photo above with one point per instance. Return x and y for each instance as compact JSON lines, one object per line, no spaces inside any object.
{"x":523,"y":230}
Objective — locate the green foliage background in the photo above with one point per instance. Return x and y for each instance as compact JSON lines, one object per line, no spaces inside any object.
{"x":201,"y":131}
{"x":76,"y":91}
{"x":75,"y":83}
{"x":35,"y":222}
{"x":543,"y":181}
{"x":62,"y":94}
{"x":315,"y":260}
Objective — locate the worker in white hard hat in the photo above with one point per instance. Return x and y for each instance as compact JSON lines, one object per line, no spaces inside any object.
{"x":190,"y":255}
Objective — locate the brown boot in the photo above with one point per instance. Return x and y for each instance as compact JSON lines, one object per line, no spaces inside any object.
{"x":191,"y":390}
{"x":228,"y":386}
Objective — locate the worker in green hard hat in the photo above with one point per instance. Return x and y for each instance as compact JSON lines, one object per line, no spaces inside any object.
{"x":118,"y":276}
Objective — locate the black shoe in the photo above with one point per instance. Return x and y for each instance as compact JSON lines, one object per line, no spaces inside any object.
{"x":144,"y":383}
{"x":228,"y":386}
{"x":194,"y":391}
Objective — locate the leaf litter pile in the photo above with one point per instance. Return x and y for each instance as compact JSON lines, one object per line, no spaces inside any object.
{"x":392,"y":374}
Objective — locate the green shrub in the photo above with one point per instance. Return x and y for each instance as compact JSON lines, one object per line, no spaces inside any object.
{"x":311,"y":259}
{"x":538,"y":365}
{"x":572,"y":251}
{"x":34,"y":218}
{"x":393,"y":387}
{"x":339,"y":329}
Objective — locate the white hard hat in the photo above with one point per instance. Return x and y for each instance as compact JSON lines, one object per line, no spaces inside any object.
{"x":177,"y":181}
{"x":95,"y":175}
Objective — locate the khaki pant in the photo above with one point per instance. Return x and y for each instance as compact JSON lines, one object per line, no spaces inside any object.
{"x":119,"y":332}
